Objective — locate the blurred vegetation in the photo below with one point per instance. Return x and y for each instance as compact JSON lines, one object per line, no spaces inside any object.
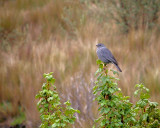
{"x":134,"y":14}
{"x":39,"y":19}
{"x":60,"y":36}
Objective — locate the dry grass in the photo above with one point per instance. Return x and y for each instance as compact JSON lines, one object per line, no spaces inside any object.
{"x":68,"y":49}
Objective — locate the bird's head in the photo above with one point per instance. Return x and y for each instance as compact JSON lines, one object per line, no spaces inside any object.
{"x":100,"y":45}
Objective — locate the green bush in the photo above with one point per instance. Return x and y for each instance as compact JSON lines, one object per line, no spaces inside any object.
{"x":116,"y":110}
{"x":132,"y":14}
{"x":53,"y":115}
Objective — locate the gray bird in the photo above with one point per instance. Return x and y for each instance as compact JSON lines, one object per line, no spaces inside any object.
{"x":106,"y":56}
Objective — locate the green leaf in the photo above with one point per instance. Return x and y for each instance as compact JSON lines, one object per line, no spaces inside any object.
{"x":54,"y":125}
{"x":49,"y":77}
{"x":95,"y":87}
{"x":45,"y":74}
{"x":104,"y":79}
{"x":153,"y":104}
{"x":50,"y":99}
{"x":101,"y":66}
{"x":94,"y":126}
{"x":145,"y":116}
{"x":78,"y":111}
{"x":103,"y":102}
{"x":107,"y":110}
{"x":103,"y":122}
{"x":37,"y":96}
{"x":137,"y":85}
{"x":114,"y":72}
{"x":117,"y":124}
{"x":46,"y":105}
{"x":147,"y":89}
{"x":67,"y":103}
{"x":97,"y":120}
{"x":50,"y":73}
{"x":41,"y":110}
{"x":136,"y":92}
{"x":52,"y":80}
{"x":99,"y":62}
{"x":98,"y":71}
{"x":111,"y":90}
{"x":63,"y":125}
{"x":142,"y":104}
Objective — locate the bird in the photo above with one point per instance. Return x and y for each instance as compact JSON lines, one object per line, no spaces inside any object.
{"x":106,"y":56}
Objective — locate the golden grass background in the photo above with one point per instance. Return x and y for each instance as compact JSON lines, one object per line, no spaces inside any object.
{"x":59,"y":36}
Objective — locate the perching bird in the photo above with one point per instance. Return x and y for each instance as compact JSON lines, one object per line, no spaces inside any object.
{"x":106,"y":56}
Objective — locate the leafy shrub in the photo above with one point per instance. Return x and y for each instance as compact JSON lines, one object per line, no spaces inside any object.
{"x":116,"y":110}
{"x":147,"y":113}
{"x":52,"y":113}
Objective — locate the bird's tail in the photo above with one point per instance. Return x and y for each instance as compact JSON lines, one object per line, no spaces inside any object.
{"x":118,"y":67}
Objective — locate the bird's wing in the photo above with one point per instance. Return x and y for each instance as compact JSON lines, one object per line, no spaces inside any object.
{"x":108,"y":55}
